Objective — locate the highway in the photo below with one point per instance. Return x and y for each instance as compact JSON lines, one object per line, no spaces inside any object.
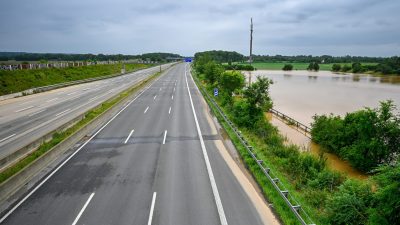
{"x":160,"y":160}
{"x":24,"y":119}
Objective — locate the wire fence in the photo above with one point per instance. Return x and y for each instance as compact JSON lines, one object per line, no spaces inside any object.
{"x":291,"y":202}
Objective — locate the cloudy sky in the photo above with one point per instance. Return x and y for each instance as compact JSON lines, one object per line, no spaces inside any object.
{"x":287,"y":27}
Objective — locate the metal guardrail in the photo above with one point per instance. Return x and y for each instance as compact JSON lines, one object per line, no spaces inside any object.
{"x":292,"y":121}
{"x":282,"y":190}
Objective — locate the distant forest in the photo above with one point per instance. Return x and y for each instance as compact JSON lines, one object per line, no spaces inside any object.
{"x":385,"y":65}
{"x":24,"y":56}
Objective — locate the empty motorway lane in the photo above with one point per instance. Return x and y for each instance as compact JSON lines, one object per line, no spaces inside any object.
{"x":157,"y":162}
{"x":24,"y":119}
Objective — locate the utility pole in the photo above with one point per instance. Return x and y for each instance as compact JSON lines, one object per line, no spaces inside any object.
{"x":251,"y":47}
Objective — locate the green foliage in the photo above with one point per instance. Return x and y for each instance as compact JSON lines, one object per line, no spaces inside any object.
{"x":346,"y":68}
{"x":221,"y":56}
{"x":350,"y":204}
{"x":246,"y":67}
{"x":387,"y":197}
{"x":357,"y":67}
{"x":366,"y":138}
{"x":257,"y":94}
{"x":287,"y":67}
{"x":230,"y":81}
{"x":200,"y":63}
{"x":313,"y":66}
{"x":23,"y":56}
{"x":212,"y":72}
{"x":336,"y":67}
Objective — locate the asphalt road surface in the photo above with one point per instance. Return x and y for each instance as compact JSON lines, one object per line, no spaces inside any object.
{"x":156,"y":162}
{"x":24,"y":119}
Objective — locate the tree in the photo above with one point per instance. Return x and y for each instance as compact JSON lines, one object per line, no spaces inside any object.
{"x":346,"y":68}
{"x":356,"y":67}
{"x":201,"y":62}
{"x":287,"y":67}
{"x":212,"y":71}
{"x":230,"y":81}
{"x":336,"y":67}
{"x":313,"y":66}
{"x":257,"y":94}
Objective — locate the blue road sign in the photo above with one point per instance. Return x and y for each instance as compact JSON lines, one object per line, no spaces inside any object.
{"x":188,"y":59}
{"x":215,"y":91}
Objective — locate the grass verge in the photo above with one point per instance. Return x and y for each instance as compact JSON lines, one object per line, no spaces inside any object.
{"x":60,"y":136}
{"x":20,"y":80}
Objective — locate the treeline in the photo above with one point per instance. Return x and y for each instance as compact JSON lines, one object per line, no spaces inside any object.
{"x":318,"y":59}
{"x":23,"y":56}
{"x":221,"y":56}
{"x":388,"y":66}
{"x":366,"y":138}
{"x":331,"y":197}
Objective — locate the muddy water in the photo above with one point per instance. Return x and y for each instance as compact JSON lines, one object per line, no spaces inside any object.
{"x":299,"y":138}
{"x":302,"y":94}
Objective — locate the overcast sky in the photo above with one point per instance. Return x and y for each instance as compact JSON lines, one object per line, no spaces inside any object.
{"x":338,"y":27}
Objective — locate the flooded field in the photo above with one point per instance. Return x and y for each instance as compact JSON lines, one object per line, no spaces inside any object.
{"x":302,"y":94}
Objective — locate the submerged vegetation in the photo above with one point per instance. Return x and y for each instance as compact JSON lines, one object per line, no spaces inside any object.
{"x":327,"y":196}
{"x":366,"y":138}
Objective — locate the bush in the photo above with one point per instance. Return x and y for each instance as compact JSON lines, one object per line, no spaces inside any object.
{"x":366,"y":138}
{"x":346,"y":68}
{"x":287,"y":67}
{"x":336,"y":67}
{"x":350,"y":204}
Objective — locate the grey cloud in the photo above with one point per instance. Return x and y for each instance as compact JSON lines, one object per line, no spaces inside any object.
{"x":288,"y":27}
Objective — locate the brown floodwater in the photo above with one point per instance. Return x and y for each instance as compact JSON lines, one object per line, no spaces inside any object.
{"x":301,"y":139}
{"x":302,"y":94}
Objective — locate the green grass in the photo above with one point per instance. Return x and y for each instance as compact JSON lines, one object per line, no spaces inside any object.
{"x":20,"y":80}
{"x":296,"y":66}
{"x":58,"y":137}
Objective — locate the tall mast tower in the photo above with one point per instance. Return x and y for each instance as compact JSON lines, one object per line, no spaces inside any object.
{"x":251,"y":47}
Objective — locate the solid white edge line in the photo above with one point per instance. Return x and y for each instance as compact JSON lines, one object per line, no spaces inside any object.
{"x":214,"y":187}
{"x":70,"y":157}
{"x":12,"y":135}
{"x":129,"y":136}
{"x":153,"y":201}
{"x":169,"y":111}
{"x":83,"y":209}
{"x":146,"y":110}
{"x":165,"y":136}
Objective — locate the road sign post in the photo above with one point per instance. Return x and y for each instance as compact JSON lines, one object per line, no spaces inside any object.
{"x":215,"y":91}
